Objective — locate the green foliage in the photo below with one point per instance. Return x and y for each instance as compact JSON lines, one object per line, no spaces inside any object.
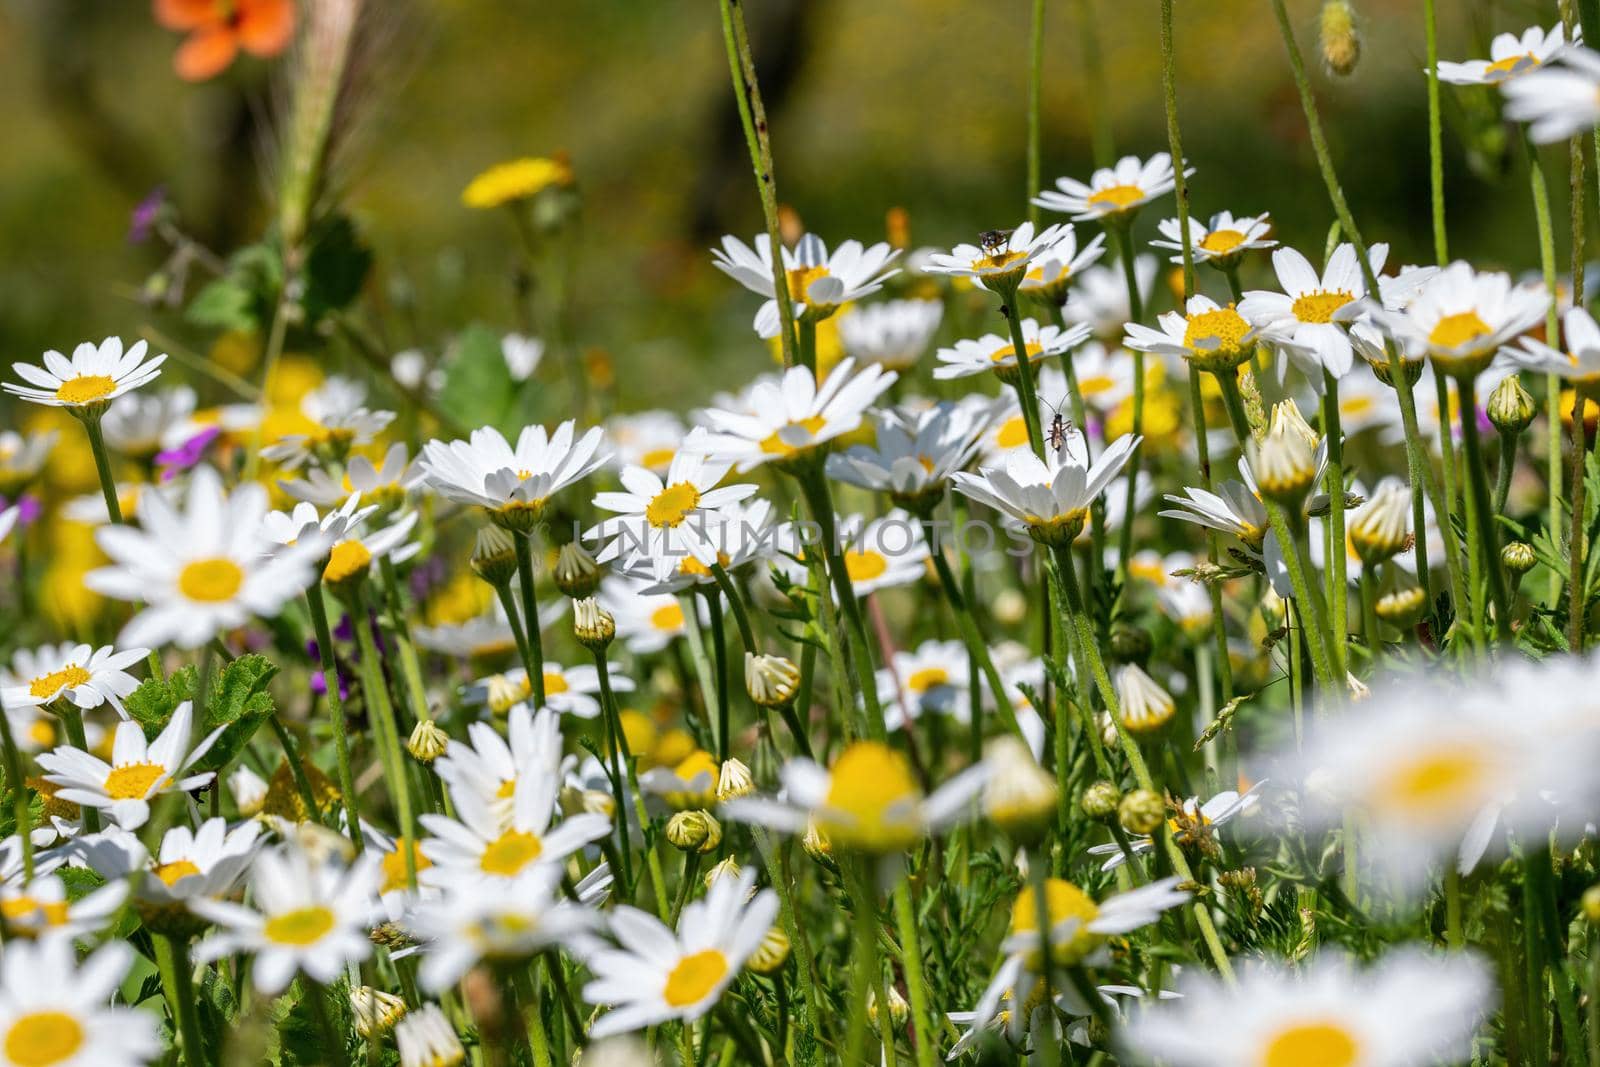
{"x":238,"y":702}
{"x":478,"y":390}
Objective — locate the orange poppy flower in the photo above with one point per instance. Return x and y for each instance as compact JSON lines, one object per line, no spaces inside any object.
{"x":217,"y":29}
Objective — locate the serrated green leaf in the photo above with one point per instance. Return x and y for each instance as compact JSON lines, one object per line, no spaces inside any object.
{"x":478,"y":390}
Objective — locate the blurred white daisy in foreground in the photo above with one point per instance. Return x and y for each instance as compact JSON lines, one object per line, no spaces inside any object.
{"x":207,"y":862}
{"x":1114,"y":192}
{"x":1409,"y":1009}
{"x":489,"y":765}
{"x":138,"y":771}
{"x":90,"y":379}
{"x":83,"y":675}
{"x":56,"y":1010}
{"x":817,"y":281}
{"x":1510,"y":56}
{"x":658,"y":974}
{"x":41,"y":908}
{"x":200,"y":570}
{"x":1560,"y":101}
{"x":1222,"y":242}
{"x":304,"y":916}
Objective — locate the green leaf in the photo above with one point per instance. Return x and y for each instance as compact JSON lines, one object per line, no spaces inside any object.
{"x":223,"y":304}
{"x":478,"y":390}
{"x":239,"y":703}
{"x":336,"y":268}
{"x":152,"y":704}
{"x":8,"y":812}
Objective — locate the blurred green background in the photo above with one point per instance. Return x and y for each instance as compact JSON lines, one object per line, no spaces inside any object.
{"x":874,"y":103}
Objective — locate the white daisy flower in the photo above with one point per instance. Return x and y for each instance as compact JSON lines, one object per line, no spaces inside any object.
{"x":489,"y":767}
{"x":386,"y":483}
{"x":1113,"y":192}
{"x":914,"y":453}
{"x":690,"y":783}
{"x":648,"y":439}
{"x":656,"y":974}
{"x":867,"y":801}
{"x":1579,"y":364}
{"x":931,"y":678}
{"x":893,"y":334}
{"x":81,"y":674}
{"x":884,"y":553}
{"x":22,"y":458}
{"x":136,"y":424}
{"x":425,"y":1038}
{"x":138,"y":771}
{"x":306,"y":916}
{"x":1105,"y":377}
{"x":1462,"y":318}
{"x":1049,"y":500}
{"x":1309,"y":312}
{"x":339,"y":420}
{"x":199,"y":571}
{"x":662,"y":520}
{"x":501,"y":922}
{"x":1557,"y":102}
{"x":1409,"y":1009}
{"x":1193,"y":817}
{"x":1053,"y":271}
{"x":792,"y":418}
{"x":646,"y":622}
{"x":817,"y":282}
{"x":1235,"y":508}
{"x":1100,"y":299}
{"x":484,"y":841}
{"x":1510,"y":56}
{"x":208,"y":862}
{"x":1364,"y":401}
{"x":1222,"y":242}
{"x":94,"y":376}
{"x":522,"y":355}
{"x":1207,"y":334}
{"x":55,"y":1010}
{"x":567,"y":690}
{"x":512,"y":484}
{"x":40,"y":908}
{"x":1000,"y":258}
{"x":746,"y":532}
{"x":991,"y":352}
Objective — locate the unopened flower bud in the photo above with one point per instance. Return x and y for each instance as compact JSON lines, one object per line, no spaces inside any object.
{"x":427,"y":742}
{"x":249,"y":791}
{"x":1341,"y":44}
{"x":1284,"y":467}
{"x":592,"y":625}
{"x":771,"y":681}
{"x":1141,"y":811}
{"x":734,"y":780}
{"x":772,"y":953}
{"x":1382,"y":526}
{"x":1511,"y":407}
{"x":816,"y":843}
{"x":576,"y":573}
{"x":1286,"y":418}
{"x":694,"y":831}
{"x":1403,"y":607}
{"x":375,"y":1010}
{"x":494,"y":557}
{"x":1019,"y":796}
{"x":1518,"y":557}
{"x":1010,"y":607}
{"x":1100,"y":800}
{"x":426,"y":1036}
{"x":899,"y":1010}
{"x":1146,"y":706}
{"x":1591,"y":904}
{"x":1129,"y":643}
{"x":728,"y":868}
{"x":575,"y":801}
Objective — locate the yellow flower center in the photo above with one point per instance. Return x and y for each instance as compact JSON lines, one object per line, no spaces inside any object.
{"x":928,"y":678}
{"x":667,"y":617}
{"x":997,"y":260}
{"x":303,"y":926}
{"x":211,"y":581}
{"x":872,"y":800}
{"x":1008,"y":353}
{"x":348,"y":559}
{"x":555,"y":683}
{"x":774,"y":444}
{"x":1438,"y":784}
{"x":41,"y":1038}
{"x":1453,"y":331}
{"x":695,"y":976}
{"x":1320,"y":306}
{"x":132,"y":781}
{"x":1321,"y":1044}
{"x":800,"y":279}
{"x":657,"y":458}
{"x":1511,"y":64}
{"x":170,"y":873}
{"x":864,"y":566}
{"x":52,"y":913}
{"x":1013,"y":433}
{"x":1064,"y":902}
{"x":1116,"y":197}
{"x":507,"y":790}
{"x":393,"y":865}
{"x":672,"y":505}
{"x":85,"y":389}
{"x":510,"y":852}
{"x":1221,"y":330}
{"x":1221,"y":242}
{"x":66,"y":678}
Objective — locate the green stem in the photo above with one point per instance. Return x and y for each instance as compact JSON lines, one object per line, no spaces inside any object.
{"x":620,"y":757}
{"x":916,"y":983}
{"x":400,"y":633}
{"x":317,"y":997}
{"x":102,"y":466}
{"x":864,"y":965}
{"x":1502,"y":474}
{"x":1124,"y":239}
{"x":1430,"y":22}
{"x":534,"y":661}
{"x":341,"y":742}
{"x":508,"y":603}
{"x":1577,"y":564}
{"x":177,"y":982}
{"x":1540,"y":191}
{"x":1035,"y":94}
{"x":719,"y":659}
{"x":1169,"y":89}
{"x":808,"y":344}
{"x":1027,"y":396}
{"x":1478,"y":476}
{"x":1049,"y":1055}
{"x":977,"y":648}
{"x":1338,"y":563}
{"x":753,"y":117}
{"x":376,"y":689}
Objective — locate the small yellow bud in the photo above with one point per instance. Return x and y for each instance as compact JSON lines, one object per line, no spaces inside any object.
{"x":1100,"y":800}
{"x":1403,"y":607}
{"x":1341,"y":44}
{"x":734,"y":780}
{"x":427,"y":742}
{"x":1518,"y":557}
{"x":771,"y":681}
{"x":1511,"y":407}
{"x":694,"y":831}
{"x":772,"y":953}
{"x":1141,"y":811}
{"x":592,"y":625}
{"x":494,"y":557}
{"x":576,"y":573}
{"x":375,"y":1010}
{"x":728,"y":868}
{"x":1591,"y":904}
